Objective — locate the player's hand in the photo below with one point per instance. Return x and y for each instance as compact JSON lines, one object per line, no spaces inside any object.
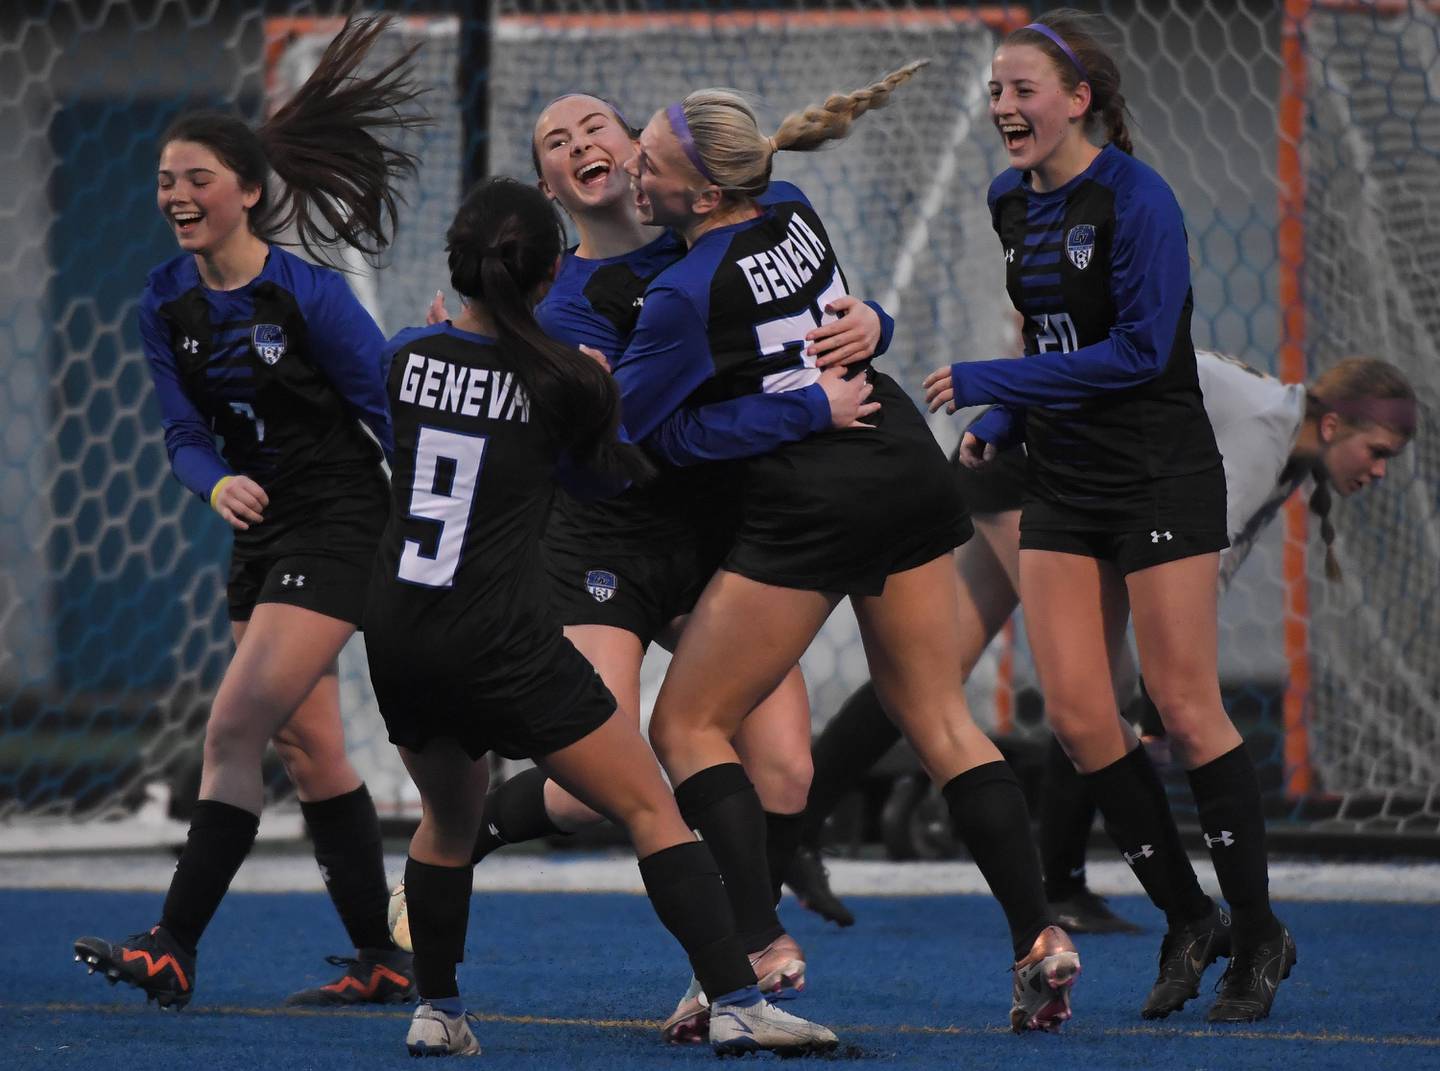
{"x":851,"y":337}
{"x":847,"y":398}
{"x":940,"y":390}
{"x":976,"y":453}
{"x":596,"y":356}
{"x":240,"y":501}
{"x":436,"y":313}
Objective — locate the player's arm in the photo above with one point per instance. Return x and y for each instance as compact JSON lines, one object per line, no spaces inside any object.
{"x":349,"y":348}
{"x":190,"y":444}
{"x":669,"y":357}
{"x":1150,"y":278}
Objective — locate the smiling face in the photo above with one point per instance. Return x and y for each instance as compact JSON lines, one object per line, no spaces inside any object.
{"x":201,"y":198}
{"x":668,"y":188}
{"x":580,"y":145}
{"x":1040,"y":121}
{"x":1354,"y":457}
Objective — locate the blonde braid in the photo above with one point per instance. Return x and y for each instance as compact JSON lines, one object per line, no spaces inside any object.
{"x":806,"y":130}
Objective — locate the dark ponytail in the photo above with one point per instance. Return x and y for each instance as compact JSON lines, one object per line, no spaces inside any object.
{"x":503,"y":246}
{"x":338,"y":175}
{"x":1084,"y":36}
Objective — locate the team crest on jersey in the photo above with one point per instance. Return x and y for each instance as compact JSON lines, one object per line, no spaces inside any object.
{"x":269,"y":342}
{"x":601,"y":584}
{"x":1079,"y":244}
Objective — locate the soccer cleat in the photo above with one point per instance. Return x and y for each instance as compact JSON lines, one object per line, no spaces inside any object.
{"x":1247,"y":988}
{"x":376,"y":976}
{"x":433,"y":1033}
{"x":736,"y":1029}
{"x":153,"y":962}
{"x":690,"y":1023}
{"x":810,"y":882}
{"x":1043,"y":980}
{"x":780,"y":965}
{"x":1184,"y":955}
{"x":1084,"y":912}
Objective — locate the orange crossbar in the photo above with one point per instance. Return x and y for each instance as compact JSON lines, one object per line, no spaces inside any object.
{"x":1002,"y":18}
{"x":1291,"y":240}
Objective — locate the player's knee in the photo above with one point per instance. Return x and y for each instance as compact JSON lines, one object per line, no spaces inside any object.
{"x":230,"y":740}
{"x":314,"y":764}
{"x":782,"y":781}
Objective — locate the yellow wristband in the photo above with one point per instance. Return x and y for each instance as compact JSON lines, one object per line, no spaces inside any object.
{"x":221,"y":482}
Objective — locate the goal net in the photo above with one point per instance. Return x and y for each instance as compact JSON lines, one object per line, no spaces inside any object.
{"x":112,"y":628}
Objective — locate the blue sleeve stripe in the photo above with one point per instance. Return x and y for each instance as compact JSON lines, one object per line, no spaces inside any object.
{"x":1044,"y":302}
{"x":1039,"y":259}
{"x":1043,"y":238}
{"x":1029,"y":281}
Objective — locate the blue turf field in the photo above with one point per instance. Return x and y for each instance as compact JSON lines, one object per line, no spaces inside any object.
{"x":569,"y":980}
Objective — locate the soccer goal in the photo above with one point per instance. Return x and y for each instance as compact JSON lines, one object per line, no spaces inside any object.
{"x":1301,"y":138}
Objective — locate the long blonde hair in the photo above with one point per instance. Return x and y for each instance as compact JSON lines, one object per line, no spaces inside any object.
{"x":736,"y":157}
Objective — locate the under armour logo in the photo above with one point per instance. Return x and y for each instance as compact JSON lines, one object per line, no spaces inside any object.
{"x":292,"y":581}
{"x":324,"y":873}
{"x":494,"y":830}
{"x":190,"y":345}
{"x":1145,"y":852}
{"x":639,"y":302}
{"x":1226,"y":838}
{"x":1155,"y":537}
{"x":1010,"y":256}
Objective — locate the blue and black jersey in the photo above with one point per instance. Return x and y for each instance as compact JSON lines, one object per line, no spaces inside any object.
{"x":1106,"y":397}
{"x":726,"y":325}
{"x":283,"y":370}
{"x":459,"y":579}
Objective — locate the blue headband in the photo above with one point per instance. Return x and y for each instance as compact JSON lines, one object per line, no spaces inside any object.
{"x":676,"y":114}
{"x":1045,"y":31}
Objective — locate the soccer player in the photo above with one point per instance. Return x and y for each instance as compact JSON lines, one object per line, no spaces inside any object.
{"x":1125,"y":497}
{"x":465,"y":653}
{"x":625,"y":570}
{"x":1341,"y":432}
{"x":871,"y":513}
{"x":275,"y":355}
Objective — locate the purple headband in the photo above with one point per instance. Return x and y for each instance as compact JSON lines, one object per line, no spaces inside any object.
{"x":676,"y":114}
{"x":1045,"y":31}
{"x":1396,"y":413}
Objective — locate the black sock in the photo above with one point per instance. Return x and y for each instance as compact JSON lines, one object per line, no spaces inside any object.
{"x":684,"y":886}
{"x":857,"y":737}
{"x":1227,"y":795}
{"x":1137,"y":816}
{"x":346,"y":834}
{"x":1067,"y":814}
{"x":515,"y":813}
{"x":987,"y":808}
{"x":721,"y":803}
{"x":437,"y":902}
{"x":220,"y":838}
{"x":782,"y":838}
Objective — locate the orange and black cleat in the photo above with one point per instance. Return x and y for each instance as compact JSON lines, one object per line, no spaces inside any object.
{"x":153,"y":962}
{"x":375,"y":976}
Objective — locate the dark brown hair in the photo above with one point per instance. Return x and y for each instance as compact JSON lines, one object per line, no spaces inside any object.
{"x":339,"y":176}
{"x":1085,"y":37}
{"x":503,"y":245}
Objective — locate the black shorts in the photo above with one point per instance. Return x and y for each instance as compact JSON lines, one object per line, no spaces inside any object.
{"x":425,"y":699}
{"x":841,"y":511}
{"x":333,"y":585}
{"x":999,"y":487}
{"x":638,"y":592}
{"x":320,"y":559}
{"x":1129,"y":552}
